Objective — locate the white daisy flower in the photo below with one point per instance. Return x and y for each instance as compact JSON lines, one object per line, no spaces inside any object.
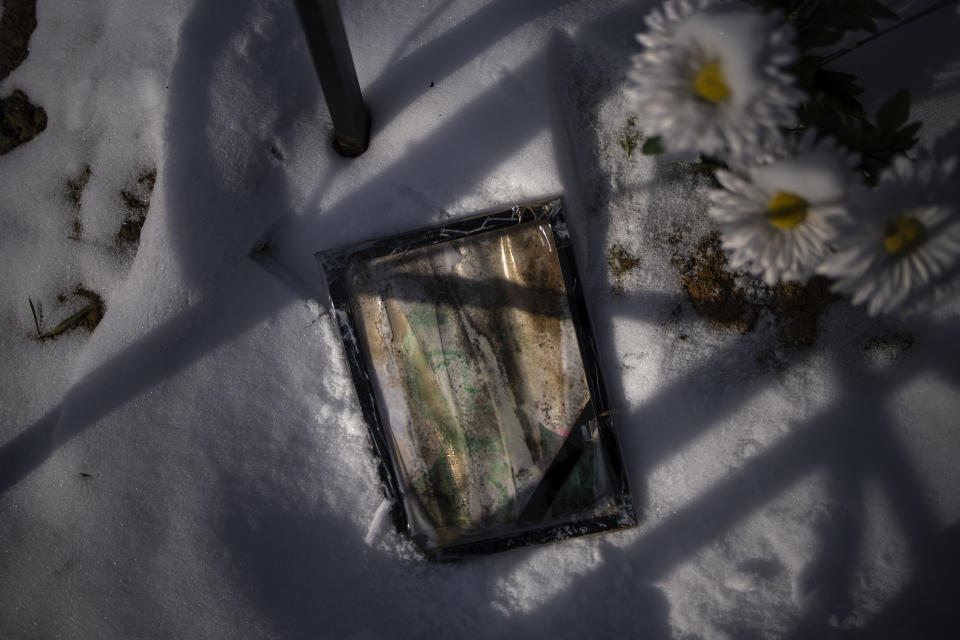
{"x":903,"y":249}
{"x":777,"y":219}
{"x":711,"y":77}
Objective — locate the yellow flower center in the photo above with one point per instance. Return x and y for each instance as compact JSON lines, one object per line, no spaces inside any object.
{"x":786,"y":210}
{"x":903,"y":236}
{"x":710,"y":84}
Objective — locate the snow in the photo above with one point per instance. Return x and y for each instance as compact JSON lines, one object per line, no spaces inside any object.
{"x":198,"y":466}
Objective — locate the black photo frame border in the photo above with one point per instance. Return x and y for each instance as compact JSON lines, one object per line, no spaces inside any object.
{"x":336,"y":264}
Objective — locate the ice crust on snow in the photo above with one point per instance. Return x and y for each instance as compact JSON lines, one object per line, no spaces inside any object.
{"x":198,"y":466}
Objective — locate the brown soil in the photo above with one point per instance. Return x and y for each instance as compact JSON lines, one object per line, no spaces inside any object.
{"x":74,"y":190}
{"x":88,"y":316}
{"x":890,"y":347}
{"x":718,"y":295}
{"x":712,"y":289}
{"x":621,"y":263}
{"x":17,"y":23}
{"x":137,"y":202}
{"x":95,"y":309}
{"x":20,"y":121}
{"x":797,"y":308}
{"x":77,"y":184}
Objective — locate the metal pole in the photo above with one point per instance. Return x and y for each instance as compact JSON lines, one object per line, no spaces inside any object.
{"x":330,"y":50}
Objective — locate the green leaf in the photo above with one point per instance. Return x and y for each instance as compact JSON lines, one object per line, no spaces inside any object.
{"x":895,"y":111}
{"x":653,"y":146}
{"x":813,"y":37}
{"x":831,"y":20}
{"x":880,"y":12}
{"x":805,"y":71}
{"x":833,"y":107}
{"x":837,"y":82}
{"x":910,"y":130}
{"x":903,"y":139}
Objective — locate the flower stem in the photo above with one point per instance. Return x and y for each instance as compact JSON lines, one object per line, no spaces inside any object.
{"x":842,"y":52}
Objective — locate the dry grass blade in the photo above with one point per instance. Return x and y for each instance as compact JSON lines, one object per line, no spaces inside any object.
{"x":88,"y":317}
{"x":36,"y":322}
{"x":84,"y":317}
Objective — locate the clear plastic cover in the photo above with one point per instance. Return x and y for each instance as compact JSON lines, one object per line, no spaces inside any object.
{"x":473,"y":361}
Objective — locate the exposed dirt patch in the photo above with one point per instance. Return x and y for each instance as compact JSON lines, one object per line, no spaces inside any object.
{"x":732,"y":300}
{"x":797,"y":307}
{"x":92,"y":312}
{"x":136,"y":200}
{"x":712,"y":289}
{"x":621,"y":263}
{"x":74,"y":192}
{"x":16,"y":25}
{"x":20,"y":121}
{"x":630,"y":137}
{"x":889,"y":347}
{"x":77,"y":184}
{"x":87,"y":311}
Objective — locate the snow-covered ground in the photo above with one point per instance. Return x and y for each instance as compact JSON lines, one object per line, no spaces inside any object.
{"x":198,"y":467}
